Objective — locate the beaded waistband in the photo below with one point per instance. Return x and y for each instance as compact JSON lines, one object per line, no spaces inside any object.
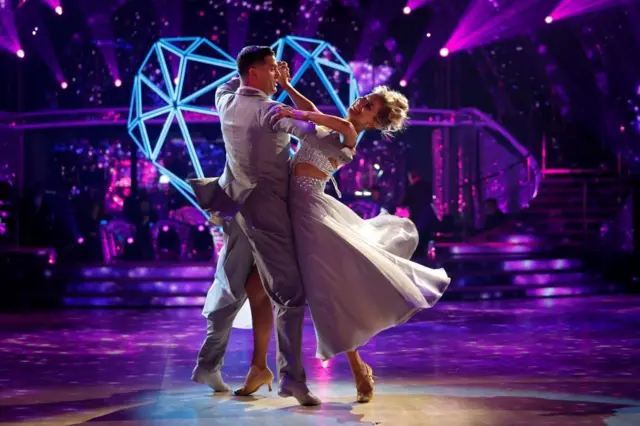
{"x":308,"y":183}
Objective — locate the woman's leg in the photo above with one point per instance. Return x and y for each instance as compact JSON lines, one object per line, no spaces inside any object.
{"x":261,"y":318}
{"x":355,"y":362}
{"x":262,"y":323}
{"x":362,"y":375}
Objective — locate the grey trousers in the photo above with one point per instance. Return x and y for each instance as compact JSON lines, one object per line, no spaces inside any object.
{"x":261,"y":233}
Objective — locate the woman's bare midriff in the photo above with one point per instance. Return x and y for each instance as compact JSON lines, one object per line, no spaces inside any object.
{"x":305,"y":169}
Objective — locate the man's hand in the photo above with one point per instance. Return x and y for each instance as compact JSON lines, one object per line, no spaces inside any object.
{"x":285,"y":75}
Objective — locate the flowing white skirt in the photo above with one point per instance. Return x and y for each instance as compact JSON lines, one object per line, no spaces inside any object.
{"x":356,"y":273}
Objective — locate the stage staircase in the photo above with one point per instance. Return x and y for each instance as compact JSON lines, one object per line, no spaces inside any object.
{"x":546,"y":250}
{"x":571,"y":210}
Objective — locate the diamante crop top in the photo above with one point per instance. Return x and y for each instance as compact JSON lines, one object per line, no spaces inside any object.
{"x":309,"y":154}
{"x":317,"y":150}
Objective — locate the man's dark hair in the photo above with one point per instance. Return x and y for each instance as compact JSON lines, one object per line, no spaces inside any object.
{"x":251,"y":56}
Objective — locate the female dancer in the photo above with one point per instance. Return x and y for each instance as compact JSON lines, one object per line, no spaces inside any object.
{"x":356,"y":273}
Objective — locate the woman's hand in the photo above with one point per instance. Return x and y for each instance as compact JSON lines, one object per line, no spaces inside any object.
{"x":284,"y":76}
{"x":283,"y":111}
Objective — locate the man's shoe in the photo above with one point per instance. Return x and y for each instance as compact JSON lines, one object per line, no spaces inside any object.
{"x":211,"y":378}
{"x":299,"y":391}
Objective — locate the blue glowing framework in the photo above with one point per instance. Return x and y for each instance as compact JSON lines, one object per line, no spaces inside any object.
{"x":177,"y":104}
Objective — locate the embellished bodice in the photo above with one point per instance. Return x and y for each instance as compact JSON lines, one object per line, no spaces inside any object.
{"x":309,"y":154}
{"x":318,"y":149}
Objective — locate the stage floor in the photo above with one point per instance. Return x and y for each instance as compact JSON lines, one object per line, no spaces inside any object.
{"x":558,"y":362}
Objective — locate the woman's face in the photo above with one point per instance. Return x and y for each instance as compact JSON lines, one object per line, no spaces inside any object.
{"x":365,"y":111}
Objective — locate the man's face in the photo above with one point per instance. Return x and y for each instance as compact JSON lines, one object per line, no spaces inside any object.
{"x":266,"y":75}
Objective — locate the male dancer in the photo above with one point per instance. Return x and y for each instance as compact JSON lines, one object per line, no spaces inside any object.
{"x":251,"y":198}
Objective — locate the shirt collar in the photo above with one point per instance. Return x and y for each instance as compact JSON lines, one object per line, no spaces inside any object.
{"x":251,"y":91}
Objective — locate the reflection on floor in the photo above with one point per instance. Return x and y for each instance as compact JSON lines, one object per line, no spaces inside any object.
{"x":533,"y":362}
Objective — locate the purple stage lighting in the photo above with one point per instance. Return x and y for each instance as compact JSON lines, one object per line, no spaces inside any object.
{"x":54,"y":5}
{"x":548,"y":19}
{"x":117,"y":82}
{"x":98,"y":14}
{"x":373,"y":33}
{"x":369,"y":76}
{"x":414,"y":4}
{"x":64,"y":84}
{"x":569,"y":8}
{"x":403,"y":83}
{"x":20,"y":53}
{"x":43,"y":45}
{"x":9,"y":40}
{"x":485,"y":22}
{"x":444,"y":52}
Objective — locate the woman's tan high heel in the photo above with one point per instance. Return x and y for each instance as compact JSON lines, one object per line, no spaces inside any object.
{"x":364,"y":385}
{"x":254,"y":381}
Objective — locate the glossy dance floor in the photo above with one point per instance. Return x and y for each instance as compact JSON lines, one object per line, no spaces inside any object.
{"x":533,"y":362}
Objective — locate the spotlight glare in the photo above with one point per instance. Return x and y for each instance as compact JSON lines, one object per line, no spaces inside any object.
{"x":548,"y":19}
{"x":118,"y":82}
{"x":428,"y":34}
{"x":58,"y":10}
{"x":64,"y":85}
{"x":403,"y":83}
{"x":20,"y":53}
{"x":444,"y":52}
{"x":406,"y":10}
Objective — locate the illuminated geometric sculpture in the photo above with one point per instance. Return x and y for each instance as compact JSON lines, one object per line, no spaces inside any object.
{"x":315,"y":60}
{"x":174,"y":100}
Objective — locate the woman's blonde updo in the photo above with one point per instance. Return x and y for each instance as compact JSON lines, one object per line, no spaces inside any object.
{"x":392,"y":116}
